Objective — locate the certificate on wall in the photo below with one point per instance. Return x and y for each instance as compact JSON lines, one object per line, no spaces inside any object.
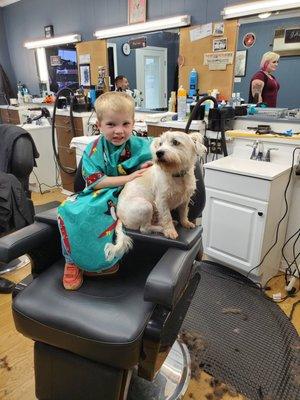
{"x":136,"y":11}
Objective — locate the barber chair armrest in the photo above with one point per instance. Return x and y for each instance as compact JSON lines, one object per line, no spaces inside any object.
{"x":185,"y":241}
{"x":170,"y":275}
{"x":24,"y":240}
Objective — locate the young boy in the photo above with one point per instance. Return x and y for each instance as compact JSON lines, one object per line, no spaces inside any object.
{"x":87,"y":220}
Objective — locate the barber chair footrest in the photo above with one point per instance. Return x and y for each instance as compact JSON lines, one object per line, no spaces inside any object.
{"x":61,"y":375}
{"x":172,"y":380}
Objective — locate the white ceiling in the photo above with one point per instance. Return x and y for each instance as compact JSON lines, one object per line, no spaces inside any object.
{"x":4,"y":3}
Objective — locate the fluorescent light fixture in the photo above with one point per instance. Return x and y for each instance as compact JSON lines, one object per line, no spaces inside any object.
{"x":53,"y":41}
{"x":150,"y":26}
{"x":257,"y":7}
{"x":42,"y":64}
{"x":264,"y":15}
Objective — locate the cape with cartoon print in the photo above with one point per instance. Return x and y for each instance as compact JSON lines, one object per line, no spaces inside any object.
{"x":87,"y":220}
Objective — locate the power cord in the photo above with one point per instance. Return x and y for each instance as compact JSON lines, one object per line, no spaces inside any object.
{"x":42,"y":183}
{"x":284,"y":245}
{"x":293,"y":309}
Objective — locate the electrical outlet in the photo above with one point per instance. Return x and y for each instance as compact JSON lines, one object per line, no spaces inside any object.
{"x":215,"y":146}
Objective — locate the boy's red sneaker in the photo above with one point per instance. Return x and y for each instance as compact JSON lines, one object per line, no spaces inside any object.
{"x":72,"y":279}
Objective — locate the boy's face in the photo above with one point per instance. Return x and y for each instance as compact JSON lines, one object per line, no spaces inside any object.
{"x":116,"y":127}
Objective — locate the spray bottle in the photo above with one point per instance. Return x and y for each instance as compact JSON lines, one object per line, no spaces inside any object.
{"x":181,"y":103}
{"x":193,"y":81}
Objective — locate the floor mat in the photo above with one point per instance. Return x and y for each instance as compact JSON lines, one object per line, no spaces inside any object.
{"x":248,"y":341}
{"x":46,"y":206}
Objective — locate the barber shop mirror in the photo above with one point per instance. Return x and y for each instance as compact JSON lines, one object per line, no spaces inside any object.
{"x":262,"y":41}
{"x":57,"y":67}
{"x":152,"y":69}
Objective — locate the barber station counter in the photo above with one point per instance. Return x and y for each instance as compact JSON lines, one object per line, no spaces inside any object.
{"x":240,"y":147}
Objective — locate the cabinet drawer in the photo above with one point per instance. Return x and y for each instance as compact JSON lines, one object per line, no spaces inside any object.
{"x":4,"y":116}
{"x":64,"y":136}
{"x":14,"y":121}
{"x":62,"y":120}
{"x":65,"y":121}
{"x":67,"y":156}
{"x":238,"y":184}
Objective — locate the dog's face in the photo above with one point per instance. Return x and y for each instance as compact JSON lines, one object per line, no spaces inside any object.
{"x":176,"y":151}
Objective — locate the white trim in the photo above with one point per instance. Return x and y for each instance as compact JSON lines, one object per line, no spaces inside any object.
{"x":150,"y":26}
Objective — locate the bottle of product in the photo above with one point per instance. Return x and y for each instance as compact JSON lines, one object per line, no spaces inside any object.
{"x":20,"y":87}
{"x":193,"y":81}
{"x":181,"y":103}
{"x":238,"y":99}
{"x":172,"y":102}
{"x":92,"y":94}
{"x":232,"y":101}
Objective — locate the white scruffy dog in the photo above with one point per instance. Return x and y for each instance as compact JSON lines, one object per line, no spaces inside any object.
{"x":165,"y":186}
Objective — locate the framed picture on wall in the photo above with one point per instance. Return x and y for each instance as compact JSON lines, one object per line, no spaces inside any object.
{"x":218,"y":29}
{"x":136,"y":11}
{"x":220,"y":44}
{"x":240,"y":63}
{"x":85,"y":75}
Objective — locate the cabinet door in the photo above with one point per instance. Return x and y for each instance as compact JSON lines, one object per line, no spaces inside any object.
{"x":234,"y":228}
{"x":4,"y":116}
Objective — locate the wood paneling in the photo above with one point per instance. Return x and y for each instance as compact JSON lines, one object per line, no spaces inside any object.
{"x":193,"y":53}
{"x":97,"y":49}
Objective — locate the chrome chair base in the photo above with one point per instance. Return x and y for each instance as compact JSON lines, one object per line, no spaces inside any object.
{"x":170,"y":383}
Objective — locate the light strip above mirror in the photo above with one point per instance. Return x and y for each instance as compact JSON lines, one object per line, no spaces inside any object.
{"x":73,"y":38}
{"x":150,"y":26}
{"x":257,"y":7}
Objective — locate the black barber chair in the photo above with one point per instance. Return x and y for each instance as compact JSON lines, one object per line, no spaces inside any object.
{"x":89,"y":343}
{"x":20,"y":155}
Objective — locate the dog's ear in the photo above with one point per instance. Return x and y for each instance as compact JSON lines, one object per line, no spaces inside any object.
{"x":197,"y":138}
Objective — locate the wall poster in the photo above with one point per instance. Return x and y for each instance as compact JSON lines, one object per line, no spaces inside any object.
{"x":240,"y":63}
{"x":85,"y":75}
{"x":136,"y":11}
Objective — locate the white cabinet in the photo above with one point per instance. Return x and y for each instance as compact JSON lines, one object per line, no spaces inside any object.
{"x":244,"y":203}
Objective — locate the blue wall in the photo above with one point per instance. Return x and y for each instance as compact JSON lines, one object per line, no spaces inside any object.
{"x":4,"y":53}
{"x":26,"y":19}
{"x":288,"y":70}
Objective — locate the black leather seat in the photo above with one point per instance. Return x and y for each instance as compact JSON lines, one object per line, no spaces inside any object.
{"x":98,"y":333}
{"x":17,"y":156}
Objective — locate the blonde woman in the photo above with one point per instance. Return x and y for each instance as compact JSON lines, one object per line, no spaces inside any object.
{"x":263,"y":86}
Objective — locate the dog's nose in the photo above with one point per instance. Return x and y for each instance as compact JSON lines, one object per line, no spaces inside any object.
{"x":160,"y":154}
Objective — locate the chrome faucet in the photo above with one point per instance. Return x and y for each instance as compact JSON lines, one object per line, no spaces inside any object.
{"x":260,"y":152}
{"x":254,"y":146}
{"x":267,"y":157}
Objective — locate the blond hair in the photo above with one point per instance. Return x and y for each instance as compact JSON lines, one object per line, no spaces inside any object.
{"x":268,"y":57}
{"x":114,"y":101}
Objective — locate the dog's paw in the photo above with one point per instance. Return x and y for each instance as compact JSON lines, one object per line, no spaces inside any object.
{"x":171,"y":233}
{"x":187,"y":224}
{"x":109,"y":251}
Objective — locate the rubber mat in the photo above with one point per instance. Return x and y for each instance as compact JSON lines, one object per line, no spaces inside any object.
{"x":46,"y":206}
{"x":247,"y":341}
